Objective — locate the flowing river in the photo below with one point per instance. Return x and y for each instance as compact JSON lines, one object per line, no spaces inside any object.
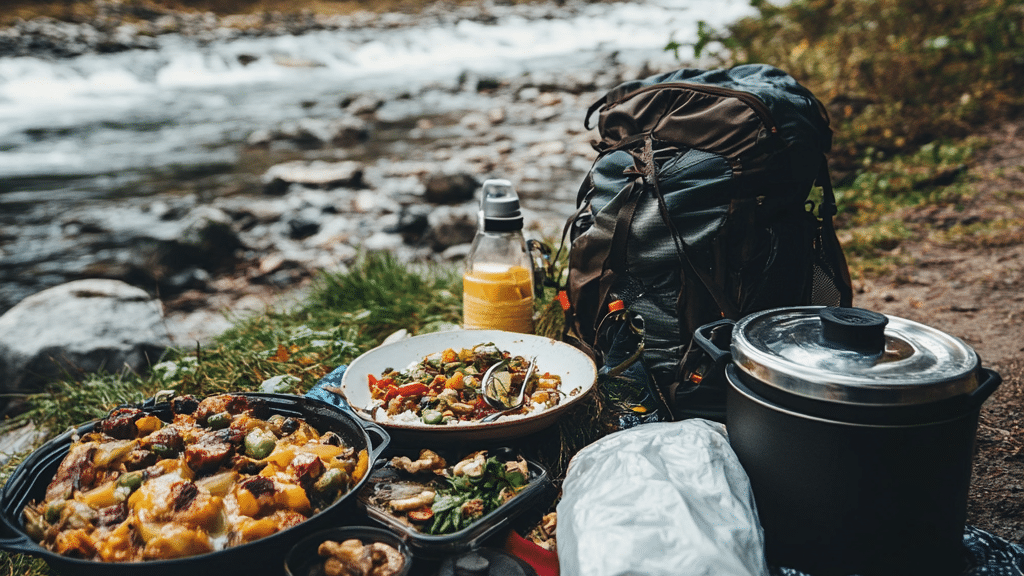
{"x":104,"y":127}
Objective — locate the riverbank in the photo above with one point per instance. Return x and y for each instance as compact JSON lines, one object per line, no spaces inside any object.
{"x":261,"y":182}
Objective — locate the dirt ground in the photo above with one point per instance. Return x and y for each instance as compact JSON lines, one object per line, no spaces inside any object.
{"x":976,"y":292}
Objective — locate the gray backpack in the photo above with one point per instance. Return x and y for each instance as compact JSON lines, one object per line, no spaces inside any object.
{"x":699,"y":207}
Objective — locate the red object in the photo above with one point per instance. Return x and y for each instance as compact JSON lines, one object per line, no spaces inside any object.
{"x":413,"y":389}
{"x":392,"y":391}
{"x":543,"y":561}
{"x":616,"y":305}
{"x":563,"y":299}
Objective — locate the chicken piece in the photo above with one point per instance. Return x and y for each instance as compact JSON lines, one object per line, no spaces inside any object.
{"x":387,"y":561}
{"x":349,"y":558}
{"x":429,"y":460}
{"x":472,"y":508}
{"x":424,"y":498}
{"x":518,"y":465}
{"x":168,"y":436}
{"x":472,"y":465}
{"x":120,"y":423}
{"x":208,"y":453}
{"x":185,"y":404}
{"x":223,"y":403}
{"x":306,"y":467}
{"x":76,"y":472}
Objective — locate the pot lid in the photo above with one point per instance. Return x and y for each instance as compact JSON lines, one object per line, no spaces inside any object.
{"x":853,"y":356}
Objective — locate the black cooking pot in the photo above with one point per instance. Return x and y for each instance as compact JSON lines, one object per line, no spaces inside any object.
{"x":857,"y":431}
{"x":263,"y":556}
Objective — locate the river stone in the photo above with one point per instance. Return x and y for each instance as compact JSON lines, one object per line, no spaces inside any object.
{"x":79,"y":327}
{"x":450,"y":188}
{"x":317,"y":174}
{"x":451,"y":225}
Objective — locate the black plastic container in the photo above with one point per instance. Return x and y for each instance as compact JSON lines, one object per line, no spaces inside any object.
{"x":33,"y":475}
{"x":304,"y":556}
{"x":434,"y":547}
{"x":857,"y":432}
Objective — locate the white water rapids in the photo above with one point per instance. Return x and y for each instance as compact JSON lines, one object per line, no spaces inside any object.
{"x":78,"y":126}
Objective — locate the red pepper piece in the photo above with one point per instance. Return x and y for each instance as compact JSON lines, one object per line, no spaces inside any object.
{"x":413,"y":389}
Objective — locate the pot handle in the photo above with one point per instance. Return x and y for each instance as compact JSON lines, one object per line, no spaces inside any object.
{"x":383,"y":438}
{"x":990,"y":381}
{"x":705,"y":335}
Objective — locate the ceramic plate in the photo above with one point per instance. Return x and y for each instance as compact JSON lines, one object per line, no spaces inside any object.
{"x":577,"y":370}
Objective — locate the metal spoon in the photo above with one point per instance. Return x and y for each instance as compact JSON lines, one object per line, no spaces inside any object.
{"x":493,"y":401}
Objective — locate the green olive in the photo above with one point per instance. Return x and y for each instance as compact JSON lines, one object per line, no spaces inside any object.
{"x":131,"y":480}
{"x":219,"y":420}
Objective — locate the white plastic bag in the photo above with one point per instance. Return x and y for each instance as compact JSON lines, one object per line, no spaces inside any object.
{"x":665,"y":498}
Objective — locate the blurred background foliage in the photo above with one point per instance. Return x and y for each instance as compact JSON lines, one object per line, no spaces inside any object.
{"x":894,"y":74}
{"x":915,"y":90}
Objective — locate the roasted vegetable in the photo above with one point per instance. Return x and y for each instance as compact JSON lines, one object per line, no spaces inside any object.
{"x":138,"y":488}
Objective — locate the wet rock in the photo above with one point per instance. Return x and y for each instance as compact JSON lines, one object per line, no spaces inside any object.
{"x":79,"y":327}
{"x":319,"y":174}
{"x":301,"y":227}
{"x":312,"y":133}
{"x":411,"y":222}
{"x":451,"y":225}
{"x":363,"y":104}
{"x":450,"y":188}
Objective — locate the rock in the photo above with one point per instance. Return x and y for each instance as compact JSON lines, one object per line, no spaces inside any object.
{"x":20,"y":440}
{"x":79,"y":327}
{"x":312,"y":133}
{"x":411,"y":223}
{"x":450,"y":188}
{"x":363,"y":104}
{"x":317,"y":174}
{"x":450,"y":225}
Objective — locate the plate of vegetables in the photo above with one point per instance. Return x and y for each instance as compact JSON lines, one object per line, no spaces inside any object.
{"x":431,"y":384}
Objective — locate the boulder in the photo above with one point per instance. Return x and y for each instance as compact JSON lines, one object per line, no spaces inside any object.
{"x":79,"y":327}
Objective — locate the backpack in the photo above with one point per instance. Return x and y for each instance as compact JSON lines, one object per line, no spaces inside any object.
{"x":699,"y":207}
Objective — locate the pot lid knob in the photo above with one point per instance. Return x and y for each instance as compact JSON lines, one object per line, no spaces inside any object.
{"x":854,"y":329}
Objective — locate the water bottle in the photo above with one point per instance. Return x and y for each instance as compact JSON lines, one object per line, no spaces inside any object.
{"x":497,"y":285}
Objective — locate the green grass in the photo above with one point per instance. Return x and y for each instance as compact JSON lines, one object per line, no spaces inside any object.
{"x":344,"y":315}
{"x":908,"y":84}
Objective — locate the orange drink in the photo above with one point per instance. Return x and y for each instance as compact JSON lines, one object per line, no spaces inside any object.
{"x":497,"y":297}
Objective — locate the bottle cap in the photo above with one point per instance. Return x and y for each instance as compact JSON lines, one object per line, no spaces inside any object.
{"x":499,"y":207}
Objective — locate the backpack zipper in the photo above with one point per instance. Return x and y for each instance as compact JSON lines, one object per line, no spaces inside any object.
{"x":755,"y":103}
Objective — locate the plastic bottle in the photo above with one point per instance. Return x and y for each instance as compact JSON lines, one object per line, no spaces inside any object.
{"x":497,"y":285}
